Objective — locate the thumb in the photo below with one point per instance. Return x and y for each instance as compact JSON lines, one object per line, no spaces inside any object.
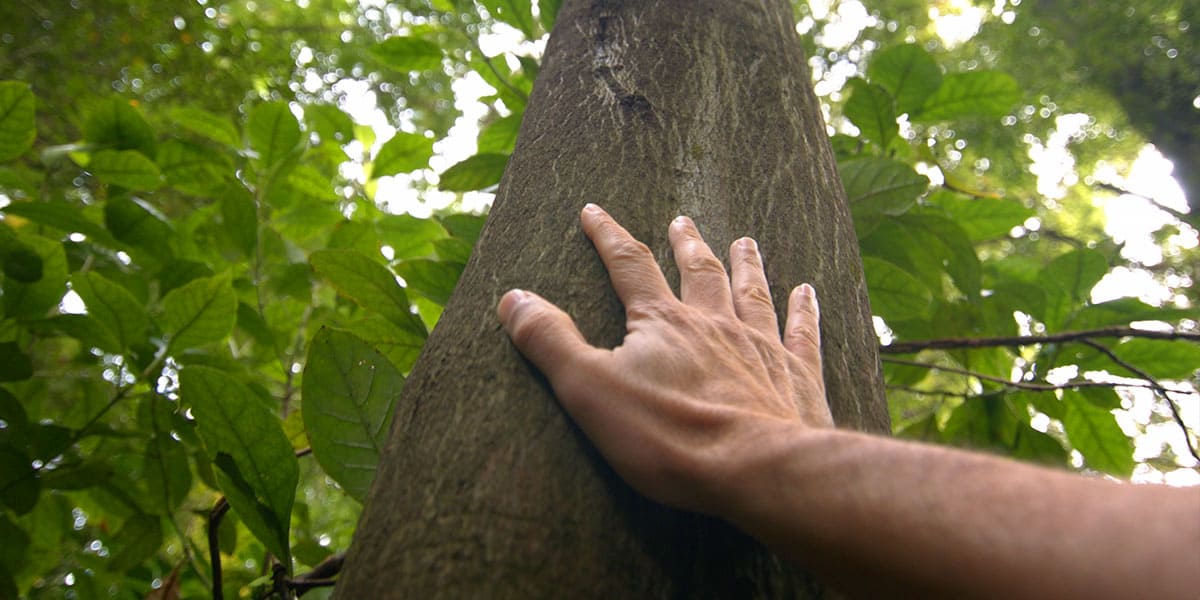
{"x":543,"y":333}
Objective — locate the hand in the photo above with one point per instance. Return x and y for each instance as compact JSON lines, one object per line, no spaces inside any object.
{"x":699,"y":382}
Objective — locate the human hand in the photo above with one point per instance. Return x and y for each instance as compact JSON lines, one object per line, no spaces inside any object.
{"x":681,"y":406}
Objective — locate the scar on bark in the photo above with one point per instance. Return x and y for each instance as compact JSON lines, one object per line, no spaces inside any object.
{"x":606,"y":72}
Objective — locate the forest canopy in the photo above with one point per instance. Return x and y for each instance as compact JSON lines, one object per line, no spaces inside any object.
{"x":227,"y":228}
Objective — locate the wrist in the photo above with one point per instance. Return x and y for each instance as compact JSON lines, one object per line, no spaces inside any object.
{"x":772,"y":481}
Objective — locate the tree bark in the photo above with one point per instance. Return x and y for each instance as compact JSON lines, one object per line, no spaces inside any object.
{"x":650,"y":109}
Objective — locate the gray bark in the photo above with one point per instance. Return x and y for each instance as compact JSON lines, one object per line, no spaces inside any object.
{"x":650,"y":109}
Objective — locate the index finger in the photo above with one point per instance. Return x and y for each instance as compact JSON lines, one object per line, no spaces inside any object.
{"x":631,"y":266}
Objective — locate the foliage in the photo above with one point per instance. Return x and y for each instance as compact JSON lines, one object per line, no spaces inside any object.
{"x":201,"y":286}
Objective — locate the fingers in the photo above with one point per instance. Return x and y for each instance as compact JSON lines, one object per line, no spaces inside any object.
{"x":631,"y":266}
{"x":702,"y":279}
{"x":802,"y":336}
{"x":751,"y":294}
{"x":545,"y":335}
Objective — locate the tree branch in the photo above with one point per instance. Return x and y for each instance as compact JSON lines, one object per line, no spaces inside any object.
{"x":322,"y":575}
{"x":214,"y":545}
{"x":1180,"y":215}
{"x":1159,"y":391}
{"x":1025,"y":385}
{"x":1028,"y":340}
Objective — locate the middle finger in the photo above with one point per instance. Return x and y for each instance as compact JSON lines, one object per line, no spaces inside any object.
{"x":702,"y":279}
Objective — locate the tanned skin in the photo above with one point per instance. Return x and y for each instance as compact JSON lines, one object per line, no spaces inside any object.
{"x":703,"y":407}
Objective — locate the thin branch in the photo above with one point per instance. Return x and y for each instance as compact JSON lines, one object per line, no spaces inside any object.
{"x":1028,"y":340}
{"x":491,"y":67}
{"x":1159,"y":390}
{"x":1182,"y":216}
{"x":322,"y":575}
{"x":214,"y":545}
{"x":1023,"y":385}
{"x":122,"y":392}
{"x":938,"y":393}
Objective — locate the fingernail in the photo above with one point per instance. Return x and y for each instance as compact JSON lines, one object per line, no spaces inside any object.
{"x":591,"y":208}
{"x":681,"y":220}
{"x":747,"y":243}
{"x":509,"y":301}
{"x":808,"y":290}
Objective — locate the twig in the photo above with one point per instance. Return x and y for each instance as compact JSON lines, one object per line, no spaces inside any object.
{"x":322,"y":575}
{"x":121,"y":393}
{"x":1159,"y":391}
{"x":1023,"y":385}
{"x":1028,"y":340}
{"x":491,"y":67}
{"x":214,"y":545}
{"x":939,"y":393}
{"x":1182,"y":216}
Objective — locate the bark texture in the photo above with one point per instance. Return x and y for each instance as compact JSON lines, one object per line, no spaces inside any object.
{"x":651,"y":109}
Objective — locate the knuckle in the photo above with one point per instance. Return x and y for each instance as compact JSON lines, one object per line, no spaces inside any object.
{"x":805,"y":334}
{"x":532,"y":326}
{"x":750,"y":259}
{"x":703,"y":263}
{"x":630,"y":249}
{"x":755,"y":296}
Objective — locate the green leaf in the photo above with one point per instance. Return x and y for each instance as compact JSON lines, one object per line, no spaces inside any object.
{"x":453,"y":250}
{"x":32,"y":300}
{"x":970,"y":424}
{"x":198,"y":313}
{"x":983,"y":219}
{"x":430,"y":278}
{"x":62,"y":216}
{"x":350,"y":392}
{"x":466,"y":227}
{"x":894,"y":293}
{"x":193,"y":168}
{"x":19,"y":486}
{"x":1161,"y":359}
{"x":1124,"y":311}
{"x":207,"y":125}
{"x":1068,"y":281}
{"x":330,"y":123}
{"x":908,"y":72}
{"x":404,"y":153}
{"x":258,"y":470}
{"x":114,"y":124}
{"x":273,"y":131}
{"x":1095,"y":434}
{"x":881,"y":186}
{"x":500,"y":136}
{"x":239,"y":216}
{"x":404,"y":54}
{"x":475,"y":173}
{"x":17,"y":125}
{"x":168,"y":476}
{"x":112,"y":306}
{"x":548,"y":13}
{"x":409,"y":236}
{"x":14,"y":364}
{"x":401,"y":346}
{"x":949,"y":246}
{"x":368,"y":283}
{"x":872,"y":110}
{"x":1008,"y":297}
{"x":126,"y":168}
{"x":139,"y":538}
{"x":518,"y":13}
{"x":21,"y":263}
{"x":137,"y":224}
{"x":971,"y":94}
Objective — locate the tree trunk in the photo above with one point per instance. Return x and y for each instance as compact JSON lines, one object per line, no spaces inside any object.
{"x":650,"y":109}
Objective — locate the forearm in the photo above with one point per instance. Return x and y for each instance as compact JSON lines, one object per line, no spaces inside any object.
{"x":875,"y":514}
